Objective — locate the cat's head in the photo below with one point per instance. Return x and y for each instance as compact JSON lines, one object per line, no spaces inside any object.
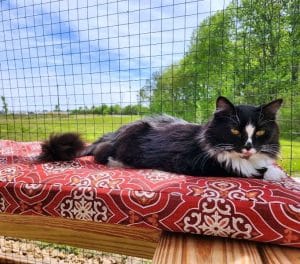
{"x":244,"y":131}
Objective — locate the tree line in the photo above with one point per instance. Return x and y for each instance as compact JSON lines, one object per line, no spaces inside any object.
{"x":112,"y":110}
{"x":102,"y":109}
{"x":249,"y":52}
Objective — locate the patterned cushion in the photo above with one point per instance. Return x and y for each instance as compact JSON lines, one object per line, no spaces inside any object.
{"x":229,"y":207}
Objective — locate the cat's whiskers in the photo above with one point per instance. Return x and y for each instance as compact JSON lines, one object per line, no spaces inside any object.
{"x":273,"y":145}
{"x":204,"y":161}
{"x":203,"y":156}
{"x":196,"y":159}
{"x":270,"y":146}
{"x":268,"y":150}
{"x":272,"y":149}
{"x":222,"y":147}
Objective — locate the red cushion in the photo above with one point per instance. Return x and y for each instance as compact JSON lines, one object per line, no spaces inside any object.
{"x":231,"y":207}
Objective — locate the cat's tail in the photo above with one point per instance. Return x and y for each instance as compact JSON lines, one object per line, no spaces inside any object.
{"x":62,"y":147}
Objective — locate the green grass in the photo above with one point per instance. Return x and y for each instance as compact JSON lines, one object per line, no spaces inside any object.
{"x":290,"y":156}
{"x":38,"y":127}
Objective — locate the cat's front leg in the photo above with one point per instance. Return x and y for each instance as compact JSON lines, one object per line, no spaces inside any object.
{"x":274,"y":173}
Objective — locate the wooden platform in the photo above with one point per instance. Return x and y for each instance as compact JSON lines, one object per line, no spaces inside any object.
{"x":162,"y":247}
{"x":179,"y":249}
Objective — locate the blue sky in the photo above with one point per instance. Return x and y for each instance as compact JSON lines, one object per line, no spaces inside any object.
{"x":92,"y":52}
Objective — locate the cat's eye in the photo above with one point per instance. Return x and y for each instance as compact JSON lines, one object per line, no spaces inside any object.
{"x":260,"y":133}
{"x":235,"y":132}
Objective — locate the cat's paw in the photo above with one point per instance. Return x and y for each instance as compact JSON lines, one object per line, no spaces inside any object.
{"x":274,"y":173}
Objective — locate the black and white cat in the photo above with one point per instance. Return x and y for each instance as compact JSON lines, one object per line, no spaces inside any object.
{"x":239,"y":141}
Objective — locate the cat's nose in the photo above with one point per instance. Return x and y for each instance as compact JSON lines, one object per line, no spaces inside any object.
{"x":248,"y":145}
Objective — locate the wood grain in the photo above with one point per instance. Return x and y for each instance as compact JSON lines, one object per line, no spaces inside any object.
{"x":279,"y":254}
{"x":132,"y":241}
{"x":186,"y":249}
{"x":166,"y":247}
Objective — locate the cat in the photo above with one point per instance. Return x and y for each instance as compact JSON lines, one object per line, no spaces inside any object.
{"x":239,"y":141}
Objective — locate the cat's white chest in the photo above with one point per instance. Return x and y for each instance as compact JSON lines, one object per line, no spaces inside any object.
{"x":248,"y":167}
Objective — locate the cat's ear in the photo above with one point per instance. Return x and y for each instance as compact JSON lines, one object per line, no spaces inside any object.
{"x":224,"y":105}
{"x":272,"y":108}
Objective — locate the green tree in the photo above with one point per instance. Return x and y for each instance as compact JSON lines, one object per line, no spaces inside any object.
{"x":4,"y":104}
{"x":188,"y":89}
{"x":249,"y":52}
{"x":262,"y":41}
{"x":56,"y":108}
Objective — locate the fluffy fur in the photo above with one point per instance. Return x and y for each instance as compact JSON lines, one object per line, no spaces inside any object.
{"x":61,"y":147}
{"x":240,"y":140}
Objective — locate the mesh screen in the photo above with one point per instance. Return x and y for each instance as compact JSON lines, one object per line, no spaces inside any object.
{"x":91,"y":66}
{"x":14,"y":250}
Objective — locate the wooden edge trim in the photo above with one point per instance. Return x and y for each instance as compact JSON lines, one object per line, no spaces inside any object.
{"x":120,"y":239}
{"x":185,"y":248}
{"x":279,"y":254}
{"x":164,"y":247}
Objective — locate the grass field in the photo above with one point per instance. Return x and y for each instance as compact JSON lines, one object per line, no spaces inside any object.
{"x":290,"y":156}
{"x":38,"y":127}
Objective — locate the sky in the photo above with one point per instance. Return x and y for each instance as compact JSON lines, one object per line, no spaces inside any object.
{"x":88,"y":52}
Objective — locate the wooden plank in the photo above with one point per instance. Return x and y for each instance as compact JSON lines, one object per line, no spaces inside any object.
{"x":120,"y":239}
{"x":183,"y":248}
{"x":272,"y":254}
{"x":140,"y":242}
{"x":9,"y":260}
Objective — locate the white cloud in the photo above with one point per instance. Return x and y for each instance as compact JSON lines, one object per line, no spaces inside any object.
{"x":91,"y":49}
